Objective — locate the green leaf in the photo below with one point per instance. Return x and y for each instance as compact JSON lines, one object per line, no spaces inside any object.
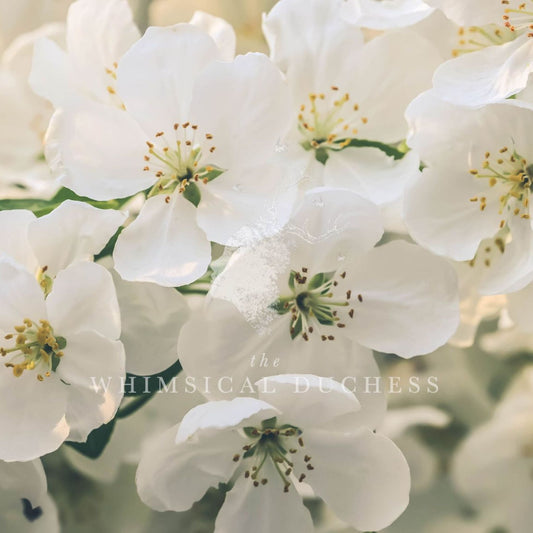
{"x":109,"y":248}
{"x":141,"y":385}
{"x":391,"y":151}
{"x":296,"y":327}
{"x":96,"y":441}
{"x":43,"y":207}
{"x":192,"y":193}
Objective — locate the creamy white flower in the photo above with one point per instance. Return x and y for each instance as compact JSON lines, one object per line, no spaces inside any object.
{"x":24,"y":16}
{"x":98,"y":33}
{"x":501,"y":450}
{"x":317,"y":298}
{"x":24,"y":120}
{"x":134,"y":433}
{"x":152,"y":318}
{"x":266,"y":447}
{"x":346,"y":94}
{"x":73,"y":232}
{"x":198,"y":133}
{"x":499,"y":35}
{"x":472,"y":201}
{"x":385,"y":14}
{"x":25,"y":506}
{"x":51,"y":347}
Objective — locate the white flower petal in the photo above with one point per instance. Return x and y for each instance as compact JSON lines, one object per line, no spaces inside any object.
{"x":362,"y":476}
{"x":171,"y":477}
{"x":75,"y":231}
{"x":371,"y":173}
{"x":155,"y":78}
{"x":89,"y":359}
{"x":381,"y":15}
{"x":164,"y":244}
{"x":20,"y":297}
{"x":241,"y":206}
{"x":97,"y":151}
{"x":248,"y":112}
{"x":99,"y":32}
{"x":152,"y":318}
{"x":220,"y":30}
{"x":14,"y":242}
{"x":49,"y":76}
{"x":488,"y":75}
{"x":213,"y":417}
{"x":410,"y":300}
{"x":83,"y":298}
{"x":263,"y":509}
{"x":440,"y":216}
{"x":309,"y":401}
{"x":32,"y":414}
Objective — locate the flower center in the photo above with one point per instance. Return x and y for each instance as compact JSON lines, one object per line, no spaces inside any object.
{"x":329,"y":121}
{"x":313,"y":303}
{"x":275,"y":443}
{"x":518,"y":15}
{"x":34,"y":347}
{"x":177,"y":162}
{"x":478,"y":37}
{"x":510,"y":170}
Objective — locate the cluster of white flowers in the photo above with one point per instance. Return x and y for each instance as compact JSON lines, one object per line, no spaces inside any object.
{"x":267,"y":278}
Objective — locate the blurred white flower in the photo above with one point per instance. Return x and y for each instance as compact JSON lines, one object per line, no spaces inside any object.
{"x":499,"y":36}
{"x":266,"y":447}
{"x":386,"y":14}
{"x":474,"y":206}
{"x":25,"y":506}
{"x":347,"y":94}
{"x":51,"y":348}
{"x":493,"y":467}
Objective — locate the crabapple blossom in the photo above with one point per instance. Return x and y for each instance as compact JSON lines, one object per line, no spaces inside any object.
{"x":347,"y":96}
{"x":202,"y":154}
{"x":265,"y":447}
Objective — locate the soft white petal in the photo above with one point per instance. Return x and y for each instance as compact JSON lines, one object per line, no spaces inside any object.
{"x":263,"y":509}
{"x":83,"y":298}
{"x":171,"y":477}
{"x":152,"y":318}
{"x":440,"y":216}
{"x":155,"y":78}
{"x":164,"y":244}
{"x":49,"y":76}
{"x":99,"y":32}
{"x":488,"y":75}
{"x":97,"y":151}
{"x":14,"y":241}
{"x":410,"y":300}
{"x":371,"y":173}
{"x":247,"y":114}
{"x":309,"y":401}
{"x":32,"y":414}
{"x":75,"y":231}
{"x":212,"y":417}
{"x":90,"y":358}
{"x":362,"y":476}
{"x":20,"y":297}
{"x":241,"y":206}
{"x":470,"y":12}
{"x":220,"y":30}
{"x":382,"y":15}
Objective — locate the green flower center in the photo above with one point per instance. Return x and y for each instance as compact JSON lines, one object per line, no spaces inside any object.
{"x":274,"y":443}
{"x":510,"y":169}
{"x":35,"y":347}
{"x":329,"y":121}
{"x":315,"y":305}
{"x":177,"y":163}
